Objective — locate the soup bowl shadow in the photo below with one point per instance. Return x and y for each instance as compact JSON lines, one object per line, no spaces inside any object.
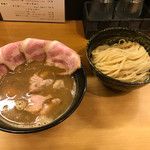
{"x":110,"y":36}
{"x":81,"y":84}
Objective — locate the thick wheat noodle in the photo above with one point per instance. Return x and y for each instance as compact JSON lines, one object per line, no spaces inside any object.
{"x":125,"y":61}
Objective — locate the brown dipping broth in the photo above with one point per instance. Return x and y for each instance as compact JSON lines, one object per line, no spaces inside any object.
{"x":14,"y":88}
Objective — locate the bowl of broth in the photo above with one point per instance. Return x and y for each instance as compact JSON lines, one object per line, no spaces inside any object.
{"x":36,"y":96}
{"x":119,"y":57}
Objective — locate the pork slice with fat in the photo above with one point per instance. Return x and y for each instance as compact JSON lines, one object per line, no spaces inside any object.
{"x":48,"y":107}
{"x":63,"y":57}
{"x":58,"y":84}
{"x":36,"y":103}
{"x":11,"y":56}
{"x":36,"y":83}
{"x":33,"y":49}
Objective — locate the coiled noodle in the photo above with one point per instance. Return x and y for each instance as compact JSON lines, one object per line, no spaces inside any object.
{"x":125,"y":61}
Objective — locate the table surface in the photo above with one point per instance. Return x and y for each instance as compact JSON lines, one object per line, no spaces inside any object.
{"x":103,"y":121}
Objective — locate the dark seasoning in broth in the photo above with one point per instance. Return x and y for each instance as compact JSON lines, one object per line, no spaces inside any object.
{"x":15,"y":96}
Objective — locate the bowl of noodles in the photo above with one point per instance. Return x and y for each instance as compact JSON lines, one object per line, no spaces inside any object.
{"x":119,"y":57}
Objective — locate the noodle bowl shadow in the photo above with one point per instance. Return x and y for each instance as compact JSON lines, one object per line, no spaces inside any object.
{"x":111,"y":36}
{"x":80,"y":80}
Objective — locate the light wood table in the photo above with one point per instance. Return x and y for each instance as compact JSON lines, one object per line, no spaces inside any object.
{"x":103,"y":121}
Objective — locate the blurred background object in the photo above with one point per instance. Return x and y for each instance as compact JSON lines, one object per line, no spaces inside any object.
{"x":74,"y":9}
{"x":147,"y":2}
{"x":101,"y":9}
{"x":127,"y":9}
{"x":141,"y":23}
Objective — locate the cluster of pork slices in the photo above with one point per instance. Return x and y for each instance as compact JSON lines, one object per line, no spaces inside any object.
{"x":53,"y":53}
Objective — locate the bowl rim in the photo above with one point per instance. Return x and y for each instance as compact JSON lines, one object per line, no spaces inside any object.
{"x":99,"y":72}
{"x":58,"y":120}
